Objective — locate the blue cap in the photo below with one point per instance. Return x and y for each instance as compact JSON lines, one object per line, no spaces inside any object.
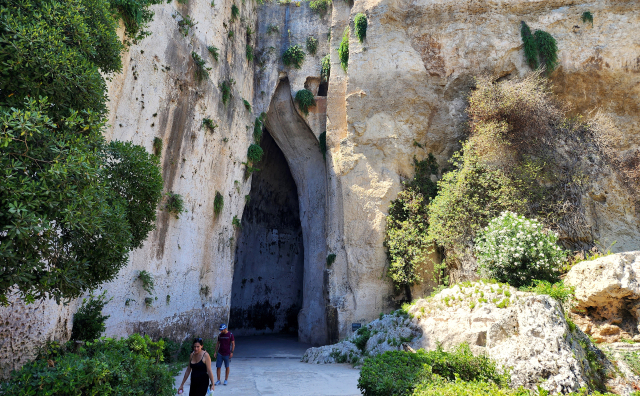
{"x":223,"y":326}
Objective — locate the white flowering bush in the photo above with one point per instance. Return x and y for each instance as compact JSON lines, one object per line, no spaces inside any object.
{"x":518,"y":250}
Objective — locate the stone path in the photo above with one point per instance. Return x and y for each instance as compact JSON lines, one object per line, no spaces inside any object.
{"x":270,"y":365}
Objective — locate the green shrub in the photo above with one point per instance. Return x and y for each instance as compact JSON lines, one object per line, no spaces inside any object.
{"x":272,"y":29}
{"x":343,"y":50}
{"x":547,"y":50}
{"x":325,"y":68}
{"x":225,"y":89}
{"x":557,"y":290}
{"x":218,"y":203}
{"x":249,"y":53}
{"x":363,"y":335}
{"x":320,"y":6}
{"x":360,"y":24}
{"x":293,"y":56}
{"x":530,"y":48}
{"x":235,"y":12}
{"x":254,"y":153}
{"x":331,"y":258}
{"x":213,"y":51}
{"x":305,"y":99}
{"x":406,"y":237}
{"x":257,"y":131}
{"x":250,"y":31}
{"x":517,"y":250}
{"x":174,"y":204}
{"x":469,"y":196}
{"x":312,"y":45}
{"x":236,"y":222}
{"x":440,"y":387}
{"x":399,"y":372}
{"x":247,"y":105}
{"x":209,"y":124}
{"x":539,"y":47}
{"x":230,"y":34}
{"x":157,"y":146}
{"x":147,"y":281}
{"x":127,"y":367}
{"x":135,"y":15}
{"x":88,"y":322}
{"x":587,"y":17}
{"x":323,"y":144}
{"x":202,"y":72}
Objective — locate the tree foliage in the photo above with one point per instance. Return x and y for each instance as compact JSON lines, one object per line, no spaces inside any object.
{"x":407,"y":225}
{"x":71,"y":205}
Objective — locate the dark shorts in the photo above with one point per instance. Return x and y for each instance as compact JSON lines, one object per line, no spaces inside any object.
{"x":221,"y":359}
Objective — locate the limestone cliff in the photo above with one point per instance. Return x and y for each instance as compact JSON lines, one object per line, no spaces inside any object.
{"x":402,"y":95}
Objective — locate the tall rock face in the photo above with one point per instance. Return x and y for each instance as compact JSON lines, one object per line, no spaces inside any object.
{"x":402,"y":95}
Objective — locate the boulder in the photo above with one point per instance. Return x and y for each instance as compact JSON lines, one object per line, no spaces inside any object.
{"x":607,"y":296}
{"x":522,"y":331}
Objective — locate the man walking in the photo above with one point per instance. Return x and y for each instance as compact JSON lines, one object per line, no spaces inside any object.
{"x":224,"y":352}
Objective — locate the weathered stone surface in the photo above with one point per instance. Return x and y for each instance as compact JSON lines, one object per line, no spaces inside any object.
{"x":607,"y":296}
{"x":525,"y":332}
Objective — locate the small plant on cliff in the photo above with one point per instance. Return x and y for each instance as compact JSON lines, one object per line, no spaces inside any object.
{"x":272,"y":29}
{"x":202,"y":72}
{"x":254,"y":153}
{"x":174,"y":204}
{"x":157,"y":146}
{"x":331,"y":259}
{"x":218,"y":203}
{"x":305,"y":100}
{"x":146,"y":279}
{"x":249,"y":53}
{"x":293,"y":56}
{"x":517,"y":250}
{"x":236,"y":222}
{"x":323,"y":144}
{"x":88,"y":322}
{"x":587,"y":17}
{"x":360,"y":24}
{"x":225,"y":89}
{"x":209,"y":124}
{"x":230,"y":35}
{"x":325,"y":70}
{"x":257,"y":130}
{"x":247,"y":105}
{"x":235,"y":12}
{"x":320,"y":6}
{"x":312,"y":45}
{"x":213,"y":51}
{"x":185,"y":25}
{"x":343,"y":50}
{"x":539,"y":47}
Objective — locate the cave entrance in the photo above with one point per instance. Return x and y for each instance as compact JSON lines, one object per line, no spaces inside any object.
{"x":279,"y":272}
{"x":266,"y":294}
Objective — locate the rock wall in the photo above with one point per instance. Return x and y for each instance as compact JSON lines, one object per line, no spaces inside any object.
{"x":403,"y":95}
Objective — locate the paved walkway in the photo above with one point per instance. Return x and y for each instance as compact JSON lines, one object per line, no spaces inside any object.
{"x":270,"y":365}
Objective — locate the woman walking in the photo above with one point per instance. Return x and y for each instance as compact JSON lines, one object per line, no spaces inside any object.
{"x":200,"y":370}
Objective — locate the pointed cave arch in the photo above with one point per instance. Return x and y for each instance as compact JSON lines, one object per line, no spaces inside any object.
{"x":300,"y":264}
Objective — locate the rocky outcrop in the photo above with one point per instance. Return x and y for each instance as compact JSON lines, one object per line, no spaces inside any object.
{"x":607,"y":296}
{"x":525,"y":332}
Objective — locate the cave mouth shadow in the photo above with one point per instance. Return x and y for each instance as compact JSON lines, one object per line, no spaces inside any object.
{"x":266,"y":293}
{"x":300,"y":149}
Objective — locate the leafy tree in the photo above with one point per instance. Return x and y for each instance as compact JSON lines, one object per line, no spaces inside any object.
{"x":71,"y":205}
